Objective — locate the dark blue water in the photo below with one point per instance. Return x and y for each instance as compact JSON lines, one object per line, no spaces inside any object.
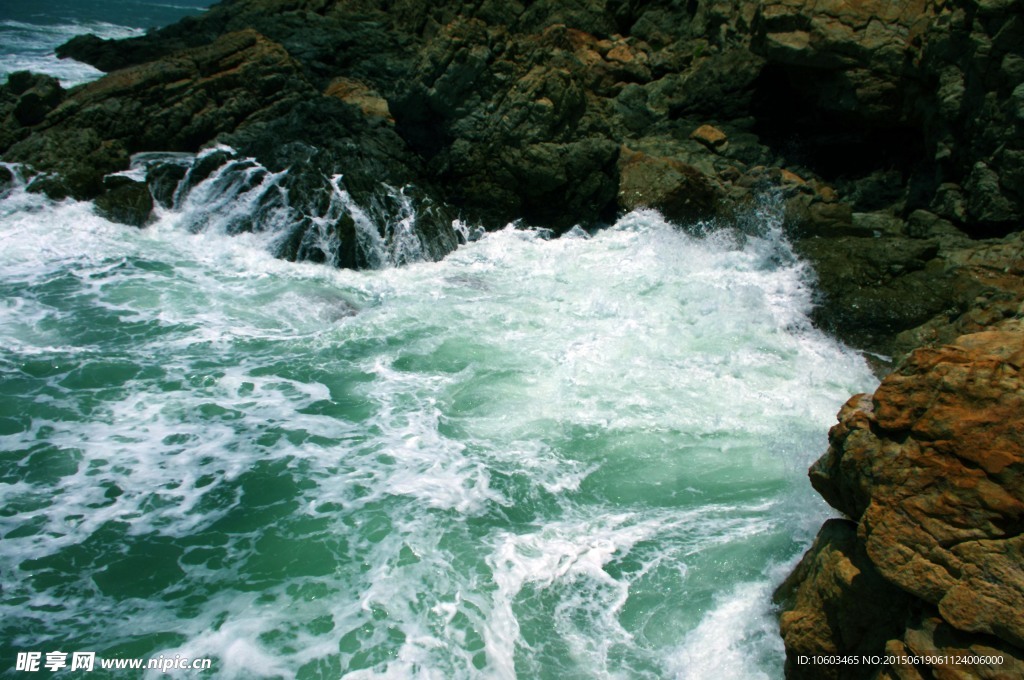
{"x":134,"y":13}
{"x":30,"y":30}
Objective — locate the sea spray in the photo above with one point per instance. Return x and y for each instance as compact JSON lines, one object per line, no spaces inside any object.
{"x":298,"y":213}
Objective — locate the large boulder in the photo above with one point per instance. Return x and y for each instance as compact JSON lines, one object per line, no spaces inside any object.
{"x":125,"y":200}
{"x":931,"y":469}
{"x":681,"y":192}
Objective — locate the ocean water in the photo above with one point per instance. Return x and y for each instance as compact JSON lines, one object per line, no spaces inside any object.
{"x":30,"y":30}
{"x":574,"y":458}
{"x":579,"y":458}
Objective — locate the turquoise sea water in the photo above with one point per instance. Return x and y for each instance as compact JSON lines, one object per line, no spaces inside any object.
{"x":573,"y":458}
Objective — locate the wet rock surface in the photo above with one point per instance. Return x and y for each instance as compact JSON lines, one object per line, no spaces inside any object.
{"x":125,"y":200}
{"x":837,"y":603}
{"x":243,"y":90}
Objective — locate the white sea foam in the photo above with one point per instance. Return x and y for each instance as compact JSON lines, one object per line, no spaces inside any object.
{"x":740,"y":626}
{"x":30,"y":47}
{"x":578,"y":456}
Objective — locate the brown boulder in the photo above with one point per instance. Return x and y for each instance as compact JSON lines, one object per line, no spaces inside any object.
{"x":710,"y":136}
{"x":932,"y":470}
{"x":944,"y":517}
{"x":837,"y":603}
{"x":681,"y":192}
{"x":360,"y":95}
{"x":927,"y":635}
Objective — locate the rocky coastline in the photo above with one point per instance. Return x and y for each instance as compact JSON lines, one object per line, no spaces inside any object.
{"x":890,"y":135}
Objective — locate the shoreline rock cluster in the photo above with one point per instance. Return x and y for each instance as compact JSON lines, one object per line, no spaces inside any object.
{"x":892,"y":133}
{"x":929,"y":564}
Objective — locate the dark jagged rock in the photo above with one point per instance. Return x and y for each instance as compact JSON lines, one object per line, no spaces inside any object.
{"x":125,"y":200}
{"x":242,"y":90}
{"x":877,"y":287}
{"x":25,"y":100}
{"x":176,"y":104}
{"x":892,"y":294}
{"x":6,"y":180}
{"x":163,"y":180}
{"x":36,"y":94}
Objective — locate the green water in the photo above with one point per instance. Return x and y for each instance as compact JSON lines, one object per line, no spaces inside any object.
{"x":580,"y":458}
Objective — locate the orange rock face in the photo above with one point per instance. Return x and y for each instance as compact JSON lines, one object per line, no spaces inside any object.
{"x":829,"y":613}
{"x":711,"y":137}
{"x":932,"y":470}
{"x":679,"y":191}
